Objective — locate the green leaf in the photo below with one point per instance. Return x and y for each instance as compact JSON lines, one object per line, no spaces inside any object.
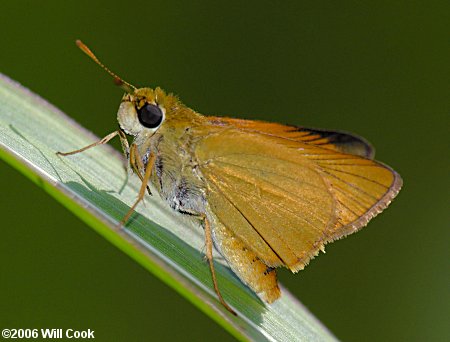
{"x":95,"y":187}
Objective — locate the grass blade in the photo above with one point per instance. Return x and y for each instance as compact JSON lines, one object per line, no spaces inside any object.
{"x":95,"y":187}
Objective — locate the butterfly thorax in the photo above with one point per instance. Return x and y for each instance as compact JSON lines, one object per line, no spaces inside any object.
{"x":175,"y":174}
{"x":170,"y":140}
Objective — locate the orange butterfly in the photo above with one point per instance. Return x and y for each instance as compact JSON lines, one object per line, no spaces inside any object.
{"x":267,"y":195}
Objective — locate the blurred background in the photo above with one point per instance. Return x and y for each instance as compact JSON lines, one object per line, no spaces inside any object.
{"x":379,"y":69}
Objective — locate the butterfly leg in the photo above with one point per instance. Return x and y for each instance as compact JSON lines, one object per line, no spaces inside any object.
{"x":145,"y":180}
{"x":136,"y":164}
{"x":209,"y":256}
{"x":100,"y":142}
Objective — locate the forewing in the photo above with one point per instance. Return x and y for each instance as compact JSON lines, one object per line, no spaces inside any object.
{"x":334,"y":140}
{"x":285,"y":199}
{"x":362,"y":188}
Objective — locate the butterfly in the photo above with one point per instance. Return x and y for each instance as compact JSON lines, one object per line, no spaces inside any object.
{"x":267,"y":195}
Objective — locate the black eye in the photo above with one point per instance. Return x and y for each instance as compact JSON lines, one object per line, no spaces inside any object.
{"x":150,"y":115}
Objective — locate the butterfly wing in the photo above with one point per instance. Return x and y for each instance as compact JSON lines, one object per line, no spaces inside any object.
{"x":284,"y":198}
{"x":334,"y":140}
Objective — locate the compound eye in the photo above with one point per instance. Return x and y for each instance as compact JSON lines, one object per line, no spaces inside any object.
{"x":150,"y":115}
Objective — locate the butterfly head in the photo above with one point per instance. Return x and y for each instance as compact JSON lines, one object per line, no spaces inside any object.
{"x":143,"y":111}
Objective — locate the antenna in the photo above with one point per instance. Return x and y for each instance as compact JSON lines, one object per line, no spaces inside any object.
{"x":129,"y":88}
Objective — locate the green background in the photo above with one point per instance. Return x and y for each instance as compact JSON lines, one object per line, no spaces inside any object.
{"x":378,"y":69}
